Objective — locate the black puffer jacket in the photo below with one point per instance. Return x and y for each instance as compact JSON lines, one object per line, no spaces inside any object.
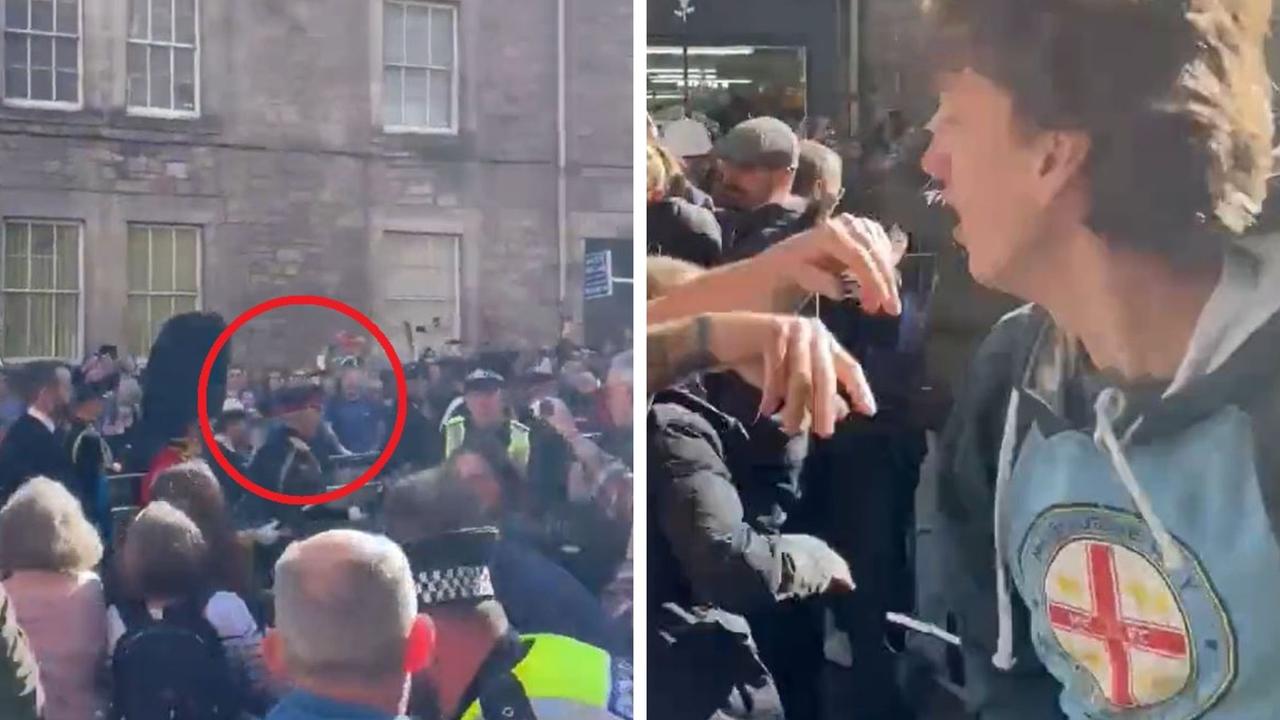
{"x":709,"y":564}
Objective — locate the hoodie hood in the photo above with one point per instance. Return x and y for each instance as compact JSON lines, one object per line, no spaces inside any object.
{"x":1246,"y":298}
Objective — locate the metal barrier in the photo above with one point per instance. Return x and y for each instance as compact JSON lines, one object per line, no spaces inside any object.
{"x":124,"y":489}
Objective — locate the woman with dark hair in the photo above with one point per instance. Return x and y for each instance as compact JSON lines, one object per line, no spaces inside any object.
{"x":484,"y":465}
{"x":577,"y":536}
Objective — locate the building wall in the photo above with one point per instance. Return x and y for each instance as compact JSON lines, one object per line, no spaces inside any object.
{"x":293,"y":182}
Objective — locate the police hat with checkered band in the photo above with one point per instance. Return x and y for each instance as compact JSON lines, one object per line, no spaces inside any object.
{"x":454,"y":566}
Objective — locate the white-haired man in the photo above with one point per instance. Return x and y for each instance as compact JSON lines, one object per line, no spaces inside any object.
{"x":348,"y":635}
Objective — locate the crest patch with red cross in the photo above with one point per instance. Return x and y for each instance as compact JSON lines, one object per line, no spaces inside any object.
{"x":1117,"y":629}
{"x":1115,"y":613}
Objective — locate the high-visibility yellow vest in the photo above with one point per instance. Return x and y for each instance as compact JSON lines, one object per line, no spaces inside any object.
{"x":562,"y":678}
{"x":455,"y":431}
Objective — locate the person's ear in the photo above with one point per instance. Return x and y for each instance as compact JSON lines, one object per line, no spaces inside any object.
{"x":420,"y":650}
{"x":273,"y":653}
{"x":1062,"y":157}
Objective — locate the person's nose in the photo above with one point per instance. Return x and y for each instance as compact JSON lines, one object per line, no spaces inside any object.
{"x":936,"y":161}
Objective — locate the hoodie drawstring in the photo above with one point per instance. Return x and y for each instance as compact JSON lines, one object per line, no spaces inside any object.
{"x":1003,"y":657}
{"x":1109,"y":406}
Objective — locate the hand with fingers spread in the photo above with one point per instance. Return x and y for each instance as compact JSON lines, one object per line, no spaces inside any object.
{"x":816,"y":261}
{"x":797,"y":364}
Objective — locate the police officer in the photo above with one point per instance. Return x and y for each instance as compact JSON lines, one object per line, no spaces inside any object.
{"x":520,"y":677}
{"x":485,"y":411}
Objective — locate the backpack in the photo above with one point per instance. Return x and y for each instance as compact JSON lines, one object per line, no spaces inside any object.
{"x":173,"y":668}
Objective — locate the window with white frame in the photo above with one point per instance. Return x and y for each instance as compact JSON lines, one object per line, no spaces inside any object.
{"x":42,"y":52}
{"x":420,"y":273}
{"x":419,"y":66}
{"x":164,"y":57}
{"x":40,"y":316}
{"x":164,"y":279}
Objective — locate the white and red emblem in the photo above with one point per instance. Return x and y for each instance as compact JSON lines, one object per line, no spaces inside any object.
{"x":1115,"y":614}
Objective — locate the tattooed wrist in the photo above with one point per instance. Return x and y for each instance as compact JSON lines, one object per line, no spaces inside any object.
{"x":679,"y":349}
{"x":701,"y":358}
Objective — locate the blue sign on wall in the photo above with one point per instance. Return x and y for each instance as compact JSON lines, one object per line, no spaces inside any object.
{"x":597,"y":275}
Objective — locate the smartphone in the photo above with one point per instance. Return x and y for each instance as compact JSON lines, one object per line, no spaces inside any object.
{"x":110,"y":351}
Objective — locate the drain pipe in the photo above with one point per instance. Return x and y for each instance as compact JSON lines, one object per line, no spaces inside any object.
{"x":562,"y":201}
{"x":854,"y":103}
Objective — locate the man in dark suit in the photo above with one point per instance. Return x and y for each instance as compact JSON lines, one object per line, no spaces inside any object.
{"x":35,"y":444}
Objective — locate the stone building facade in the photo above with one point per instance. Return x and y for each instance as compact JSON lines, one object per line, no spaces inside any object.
{"x":400,"y":156}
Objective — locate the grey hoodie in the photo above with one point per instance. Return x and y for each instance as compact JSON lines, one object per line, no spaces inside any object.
{"x":1110,"y":551}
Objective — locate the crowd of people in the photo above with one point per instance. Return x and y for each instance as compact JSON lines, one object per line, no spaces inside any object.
{"x":485,"y":571}
{"x":1091,"y":532}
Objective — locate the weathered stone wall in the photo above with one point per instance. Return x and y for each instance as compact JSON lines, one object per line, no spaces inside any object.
{"x":293,"y":182}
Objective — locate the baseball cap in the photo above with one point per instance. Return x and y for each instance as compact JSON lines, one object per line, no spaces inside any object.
{"x":760,"y":142}
{"x":686,"y":138}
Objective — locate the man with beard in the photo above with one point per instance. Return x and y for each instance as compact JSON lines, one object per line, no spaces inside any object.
{"x":1101,"y":515}
{"x":35,"y":445}
{"x":757,"y":161}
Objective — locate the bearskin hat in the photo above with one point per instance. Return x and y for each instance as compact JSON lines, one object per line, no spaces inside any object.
{"x":170,"y":379}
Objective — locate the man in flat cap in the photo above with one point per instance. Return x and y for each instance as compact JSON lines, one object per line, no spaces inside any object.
{"x":485,"y":411}
{"x":757,"y":160}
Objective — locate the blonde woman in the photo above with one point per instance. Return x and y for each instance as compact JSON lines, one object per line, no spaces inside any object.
{"x":48,"y":550}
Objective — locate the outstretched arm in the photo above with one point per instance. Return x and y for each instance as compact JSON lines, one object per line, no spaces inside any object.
{"x":782,"y":277}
